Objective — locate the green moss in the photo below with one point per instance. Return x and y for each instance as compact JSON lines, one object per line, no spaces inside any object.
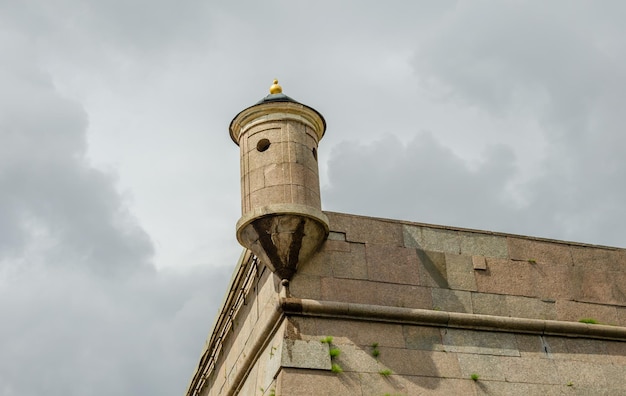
{"x":589,"y":321}
{"x":334,"y":352}
{"x":335,"y":368}
{"x":385,"y":372}
{"x":327,"y":340}
{"x":474,"y":377}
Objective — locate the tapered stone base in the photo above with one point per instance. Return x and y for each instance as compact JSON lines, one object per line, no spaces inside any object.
{"x":282,"y":236}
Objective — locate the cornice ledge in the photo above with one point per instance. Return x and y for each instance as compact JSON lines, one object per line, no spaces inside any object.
{"x":414,"y":316}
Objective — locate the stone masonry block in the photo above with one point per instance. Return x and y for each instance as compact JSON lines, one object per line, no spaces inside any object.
{"x":582,"y":374}
{"x":605,"y":287}
{"x":521,"y":389}
{"x":479,"y":262}
{"x":273,"y":194}
{"x":488,"y":367}
{"x":306,"y":286}
{"x":533,"y":346}
{"x":338,"y":259}
{"x":319,"y":263}
{"x":617,"y":352}
{"x":271,"y":131}
{"x":533,"y":308}
{"x":311,"y":180}
{"x":376,"y":293}
{"x":392,"y":264}
{"x":366,"y":230}
{"x":489,"y":304}
{"x":597,"y":259}
{"x":434,"y":239}
{"x":480,"y":342}
{"x":364,"y":334}
{"x":433,"y":386}
{"x":574,"y":311}
{"x":476,"y":244}
{"x":418,"y":362}
{"x":297,"y":132}
{"x":339,"y":245}
{"x":305,"y":354}
{"x":432,"y":269}
{"x":621,"y":316}
{"x":302,"y":382}
{"x":542,"y":252}
{"x":254,"y":180}
{"x":460,"y":272}
{"x":452,"y":300}
{"x":312,"y":197}
{"x":506,"y":277}
{"x":585,"y":350}
{"x":351,"y":264}
{"x":422,"y":337}
{"x":554,"y":281}
{"x":336,"y":236}
{"x":357,"y":358}
{"x":615,"y":378}
{"x":529,"y":370}
{"x":272,"y":175}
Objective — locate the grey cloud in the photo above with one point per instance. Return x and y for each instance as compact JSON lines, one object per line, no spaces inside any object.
{"x":420,"y":181}
{"x":68,"y":333}
{"x":84,"y":311}
{"x":49,"y":187}
{"x":426,"y":182}
{"x":564,"y":69}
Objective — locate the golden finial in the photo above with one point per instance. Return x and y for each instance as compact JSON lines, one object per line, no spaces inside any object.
{"x":275,"y":88}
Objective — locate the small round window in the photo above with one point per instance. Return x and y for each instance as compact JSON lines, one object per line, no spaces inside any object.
{"x":263,"y":145}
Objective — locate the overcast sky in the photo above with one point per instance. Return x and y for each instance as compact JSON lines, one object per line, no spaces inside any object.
{"x":119,"y":184}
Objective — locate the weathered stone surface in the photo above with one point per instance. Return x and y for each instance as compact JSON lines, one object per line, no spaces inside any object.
{"x":357,"y":358}
{"x":533,"y":346}
{"x":303,"y":285}
{"x":506,"y":277}
{"x":376,"y":293}
{"x":582,"y":373}
{"x":419,"y":362}
{"x":607,"y":287}
{"x":301,"y":382}
{"x":529,"y":370}
{"x":553,"y":281}
{"x":424,"y":338}
{"x":434,"y":239}
{"x":452,"y":300}
{"x":476,"y":244}
{"x":366,"y":230}
{"x":539,"y":251}
{"x":305,"y":354}
{"x":432,"y":269}
{"x":574,"y":311}
{"x":490,"y":304}
{"x":597,"y":259}
{"x":392,"y":264}
{"x":519,"y":389}
{"x":336,"y":236}
{"x":480,"y":342}
{"x":534,"y":308}
{"x":487,"y":367}
{"x":479,"y":262}
{"x":460,"y":272}
{"x":360,"y":333}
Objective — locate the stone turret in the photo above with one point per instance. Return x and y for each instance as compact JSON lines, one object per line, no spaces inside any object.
{"x":282,"y":222}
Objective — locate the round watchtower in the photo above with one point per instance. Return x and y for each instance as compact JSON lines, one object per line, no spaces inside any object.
{"x":282,"y":222}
